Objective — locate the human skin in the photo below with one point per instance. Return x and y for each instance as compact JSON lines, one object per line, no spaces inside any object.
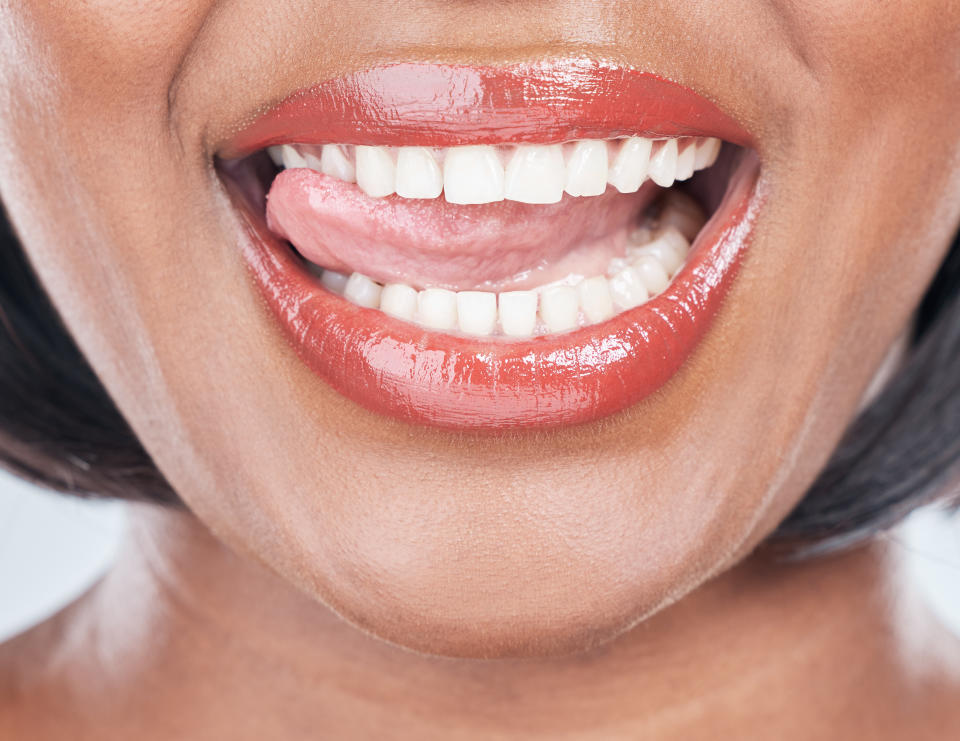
{"x":518,"y":544}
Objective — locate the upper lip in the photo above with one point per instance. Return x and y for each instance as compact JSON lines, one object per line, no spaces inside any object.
{"x":441,"y":105}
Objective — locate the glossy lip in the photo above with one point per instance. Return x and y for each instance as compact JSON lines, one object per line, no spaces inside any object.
{"x":415,"y":375}
{"x":443,"y":105}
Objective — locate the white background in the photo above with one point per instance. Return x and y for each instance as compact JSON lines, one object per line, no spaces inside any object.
{"x":53,"y":547}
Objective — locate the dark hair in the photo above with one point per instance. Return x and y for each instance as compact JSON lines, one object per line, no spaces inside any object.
{"x":60,"y":429}
{"x":903,"y":449}
{"x":58,"y":426}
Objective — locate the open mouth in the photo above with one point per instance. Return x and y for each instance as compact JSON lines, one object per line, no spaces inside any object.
{"x":498,"y":247}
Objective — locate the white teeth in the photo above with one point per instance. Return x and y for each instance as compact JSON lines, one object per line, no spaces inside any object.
{"x":418,"y":174}
{"x":663,"y":164}
{"x":656,"y":249}
{"x":291,"y":157}
{"x":652,"y":273}
{"x":276,"y":155}
{"x":559,"y":307}
{"x":399,"y":300}
{"x":595,"y":299}
{"x":629,"y":168}
{"x":686,"y":162}
{"x":587,"y":168}
{"x":536,"y":174}
{"x":362,"y":291}
{"x":646,"y":271}
{"x":376,"y":172}
{"x":477,"y":312}
{"x":616,"y":265}
{"x":641,"y":235}
{"x":335,"y":163}
{"x":628,"y":289}
{"x":312,"y":161}
{"x":334,"y":281}
{"x":518,"y":313}
{"x":707,"y":152}
{"x":473,"y":175}
{"x":437,"y":308}
{"x":670,"y":248}
{"x":682,"y":212}
{"x":715,"y":147}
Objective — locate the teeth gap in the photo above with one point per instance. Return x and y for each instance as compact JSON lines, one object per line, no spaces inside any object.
{"x":657,"y":249}
{"x":527,"y":173}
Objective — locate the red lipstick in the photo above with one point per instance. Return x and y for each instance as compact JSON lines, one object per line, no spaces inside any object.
{"x":420,"y":376}
{"x":442,"y":105}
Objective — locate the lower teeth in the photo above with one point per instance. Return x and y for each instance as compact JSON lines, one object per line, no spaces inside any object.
{"x":655,"y":253}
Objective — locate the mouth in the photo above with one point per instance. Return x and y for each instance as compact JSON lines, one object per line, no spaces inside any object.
{"x":490,"y":248}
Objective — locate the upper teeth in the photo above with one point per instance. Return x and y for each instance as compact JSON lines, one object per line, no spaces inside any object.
{"x":529,"y":173}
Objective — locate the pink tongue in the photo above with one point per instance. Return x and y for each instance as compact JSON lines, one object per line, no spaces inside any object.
{"x":434,"y":243}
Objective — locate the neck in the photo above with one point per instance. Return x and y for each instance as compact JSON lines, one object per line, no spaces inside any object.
{"x":219,"y":640}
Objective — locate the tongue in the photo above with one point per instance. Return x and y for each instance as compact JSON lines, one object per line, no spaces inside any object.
{"x":495,"y":246}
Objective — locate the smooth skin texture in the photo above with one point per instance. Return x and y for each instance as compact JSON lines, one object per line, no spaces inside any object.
{"x":550,"y":546}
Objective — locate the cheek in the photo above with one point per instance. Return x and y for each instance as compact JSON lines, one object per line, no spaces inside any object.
{"x":875,"y":44}
{"x":108,"y":49}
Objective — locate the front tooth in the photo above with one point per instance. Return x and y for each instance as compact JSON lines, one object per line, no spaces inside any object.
{"x":595,"y":299}
{"x":477,"y":312}
{"x":376,"y":172}
{"x":663,"y":164}
{"x":276,"y":155}
{"x":473,"y":174}
{"x":335,"y":163}
{"x":399,"y":300}
{"x":559,"y":308}
{"x":629,"y":168}
{"x":588,"y":168}
{"x":437,"y":308}
{"x":518,"y":313}
{"x":670,"y":248}
{"x":707,"y":152}
{"x":652,"y":273}
{"x":418,"y":174}
{"x":686,"y":162}
{"x":628,"y":289}
{"x":536,"y":174}
{"x":291,"y":157}
{"x":362,"y":291}
{"x":334,"y":281}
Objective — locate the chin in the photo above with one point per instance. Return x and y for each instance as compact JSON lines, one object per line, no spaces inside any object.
{"x":520,"y":572}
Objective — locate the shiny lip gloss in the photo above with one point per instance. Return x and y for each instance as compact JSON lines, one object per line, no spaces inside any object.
{"x":421,"y":376}
{"x":444,"y":105}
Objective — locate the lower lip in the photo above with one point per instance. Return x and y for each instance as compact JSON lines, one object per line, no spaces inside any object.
{"x":419,"y":376}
